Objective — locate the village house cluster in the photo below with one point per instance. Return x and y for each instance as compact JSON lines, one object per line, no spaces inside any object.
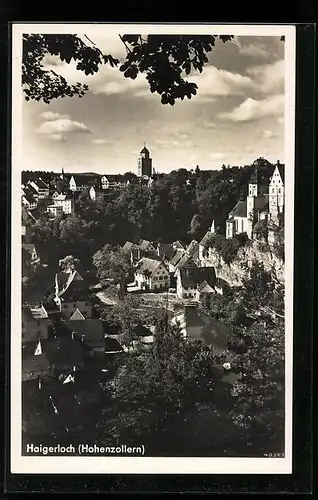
{"x":59,"y":196}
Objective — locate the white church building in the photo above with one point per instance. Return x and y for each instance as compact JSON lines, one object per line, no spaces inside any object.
{"x":264,"y":202}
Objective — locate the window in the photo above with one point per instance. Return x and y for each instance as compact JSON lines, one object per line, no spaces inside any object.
{"x":38,"y":323}
{"x":86,"y":303}
{"x":74,"y":305}
{"x":65,"y":306}
{"x":161,"y":278}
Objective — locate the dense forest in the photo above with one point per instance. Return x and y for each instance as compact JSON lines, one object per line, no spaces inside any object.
{"x":178,"y":206}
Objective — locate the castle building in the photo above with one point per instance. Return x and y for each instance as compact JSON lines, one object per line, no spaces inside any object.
{"x":264,"y":202}
{"x":144,"y":163}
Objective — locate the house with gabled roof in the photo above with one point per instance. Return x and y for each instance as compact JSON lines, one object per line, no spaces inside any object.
{"x":175,"y":259}
{"x":40,"y":187}
{"x":111,"y":181}
{"x":31,"y":250}
{"x":151,"y":274}
{"x":97,"y":193}
{"x":146,"y":246}
{"x":196,"y":326}
{"x":204,"y":241}
{"x":178,"y":245}
{"x":276,"y":191}
{"x":82,"y":182}
{"x":35,"y":323}
{"x":64,"y":201}
{"x":193,"y":282}
{"x":71,"y":293}
{"x":28,"y":200}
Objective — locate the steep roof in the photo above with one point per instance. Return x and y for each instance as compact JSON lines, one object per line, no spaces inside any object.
{"x":39,"y":312}
{"x":193,"y":276}
{"x":41,"y":184}
{"x":149,"y":265}
{"x":165,"y":250}
{"x":29,"y":247}
{"x":281,"y":168}
{"x":114,"y":177}
{"x":84,"y":179}
{"x":112,"y":345}
{"x":240,"y":209}
{"x":145,"y":150}
{"x":145,"y":244}
{"x":29,"y":198}
{"x":205,"y":238}
{"x":34,"y":365}
{"x":66,"y":278}
{"x":254,"y":177}
{"x":128,"y":246}
{"x":192,"y":247}
{"x":185,"y":261}
{"x":178,"y":245}
{"x":176,"y":257}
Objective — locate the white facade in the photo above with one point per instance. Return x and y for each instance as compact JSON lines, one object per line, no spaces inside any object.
{"x":276,"y":194}
{"x":54,"y":210}
{"x":67,"y":204}
{"x":158,"y":280}
{"x":68,"y":308}
{"x":34,"y":328}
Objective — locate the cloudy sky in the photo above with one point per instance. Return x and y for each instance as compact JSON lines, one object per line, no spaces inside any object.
{"x":236,"y":116}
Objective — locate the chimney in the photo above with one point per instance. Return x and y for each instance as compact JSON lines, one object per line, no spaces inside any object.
{"x":72,"y":335}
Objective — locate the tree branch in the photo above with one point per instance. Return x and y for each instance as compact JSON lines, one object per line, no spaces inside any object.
{"x":90,"y":40}
{"x":126,"y":46}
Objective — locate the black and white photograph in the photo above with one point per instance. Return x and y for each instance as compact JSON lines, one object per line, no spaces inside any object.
{"x":152,"y":248}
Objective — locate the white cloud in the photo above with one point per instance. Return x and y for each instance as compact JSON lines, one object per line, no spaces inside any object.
{"x":253,"y":50}
{"x":98,"y":140}
{"x":269,"y":134}
{"x":58,"y":137}
{"x":268,"y":78}
{"x":216,"y":156}
{"x":62,"y":126}
{"x":49,"y":115}
{"x":219,"y":83}
{"x":251,"y":109}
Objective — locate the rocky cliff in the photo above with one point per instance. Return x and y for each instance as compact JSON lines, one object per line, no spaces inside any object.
{"x":234,"y":272}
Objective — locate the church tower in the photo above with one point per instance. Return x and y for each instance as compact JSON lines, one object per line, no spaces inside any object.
{"x":250,"y":201}
{"x":144,"y":163}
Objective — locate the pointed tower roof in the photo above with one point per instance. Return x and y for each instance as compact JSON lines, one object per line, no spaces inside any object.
{"x":212,"y":229}
{"x":144,"y":149}
{"x":254,"y":177}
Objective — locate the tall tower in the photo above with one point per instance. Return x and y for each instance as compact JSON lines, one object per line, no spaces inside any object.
{"x":250,"y":202}
{"x":144,"y":163}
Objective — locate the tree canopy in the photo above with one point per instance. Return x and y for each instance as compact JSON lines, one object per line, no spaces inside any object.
{"x":165,"y":60}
